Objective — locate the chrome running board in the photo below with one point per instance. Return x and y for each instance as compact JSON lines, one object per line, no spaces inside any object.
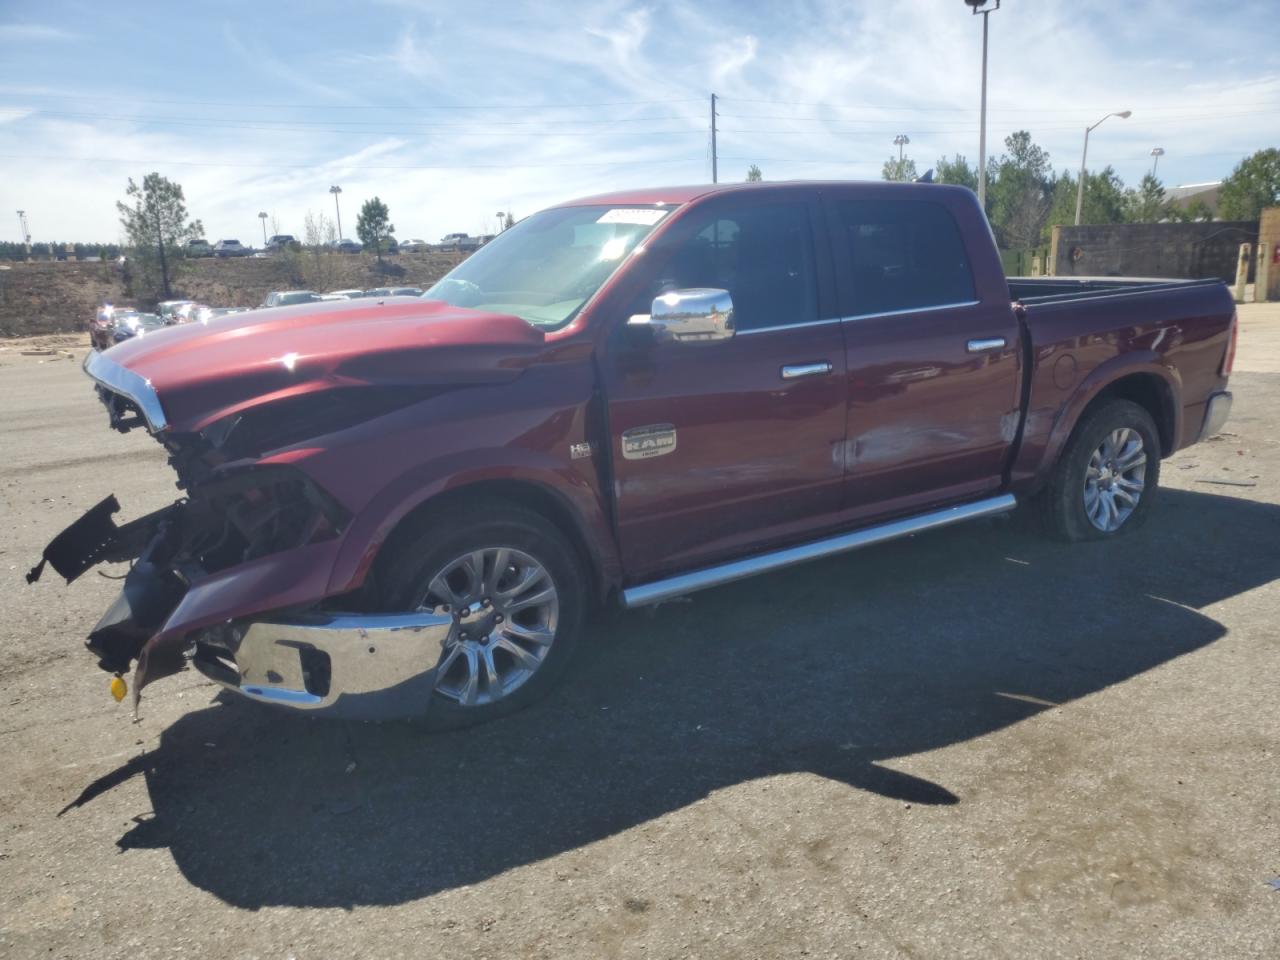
{"x":677,"y":586}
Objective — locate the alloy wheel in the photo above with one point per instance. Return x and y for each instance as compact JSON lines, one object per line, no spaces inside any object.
{"x":1115,"y":479}
{"x":505,"y":609}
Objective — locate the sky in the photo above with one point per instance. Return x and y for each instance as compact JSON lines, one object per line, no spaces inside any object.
{"x":451,"y":112}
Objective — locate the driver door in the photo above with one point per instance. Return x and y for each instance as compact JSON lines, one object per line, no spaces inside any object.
{"x":723,"y":446}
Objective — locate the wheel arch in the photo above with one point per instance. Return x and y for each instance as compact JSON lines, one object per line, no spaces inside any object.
{"x":570,"y":501}
{"x":532,"y":495}
{"x":1137,"y":377}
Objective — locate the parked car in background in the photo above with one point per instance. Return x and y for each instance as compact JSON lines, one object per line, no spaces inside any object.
{"x":351,"y":294}
{"x":289,"y":298}
{"x":415,"y":510}
{"x":168,"y":309}
{"x":415,"y":246}
{"x":282,"y":241}
{"x":347,"y":246}
{"x":102,"y":326}
{"x":186,"y":312}
{"x":135,"y":324}
{"x":230,"y":248}
{"x":394,"y":292}
{"x":197,"y":248}
{"x":205,"y":314}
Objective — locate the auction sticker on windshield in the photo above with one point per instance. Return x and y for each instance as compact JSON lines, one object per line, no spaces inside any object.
{"x":644,"y":215}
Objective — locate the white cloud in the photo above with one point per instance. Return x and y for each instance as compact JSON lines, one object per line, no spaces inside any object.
{"x":869,"y":70}
{"x":33,"y":32}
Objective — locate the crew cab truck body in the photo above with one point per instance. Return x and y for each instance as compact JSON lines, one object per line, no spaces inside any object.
{"x":408,"y":506}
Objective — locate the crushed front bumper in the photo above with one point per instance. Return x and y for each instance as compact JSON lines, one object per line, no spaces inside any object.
{"x":357,"y":666}
{"x":257,"y":627}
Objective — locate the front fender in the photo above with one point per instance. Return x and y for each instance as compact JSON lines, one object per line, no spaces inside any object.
{"x":576,"y":492}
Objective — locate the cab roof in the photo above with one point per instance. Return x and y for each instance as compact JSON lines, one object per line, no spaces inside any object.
{"x":676,"y":195}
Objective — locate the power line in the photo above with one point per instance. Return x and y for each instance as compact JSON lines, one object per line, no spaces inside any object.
{"x":271,"y":165}
{"x":285,"y":124}
{"x":348,"y":106}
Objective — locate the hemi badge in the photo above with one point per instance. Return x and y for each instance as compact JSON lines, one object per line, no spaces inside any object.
{"x":653,"y":440}
{"x":577,"y":451}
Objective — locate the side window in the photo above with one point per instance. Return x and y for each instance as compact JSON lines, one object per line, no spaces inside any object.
{"x":762,"y":254}
{"x":903,"y":255}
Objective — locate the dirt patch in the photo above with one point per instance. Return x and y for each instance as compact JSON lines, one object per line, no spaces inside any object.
{"x":55,"y":297}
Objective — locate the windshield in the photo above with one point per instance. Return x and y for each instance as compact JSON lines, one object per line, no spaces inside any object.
{"x":547,"y":266}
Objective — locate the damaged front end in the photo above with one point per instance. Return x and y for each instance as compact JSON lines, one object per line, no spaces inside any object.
{"x":232,"y":576}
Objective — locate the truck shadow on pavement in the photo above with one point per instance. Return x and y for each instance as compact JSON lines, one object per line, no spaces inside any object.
{"x":831,"y":668}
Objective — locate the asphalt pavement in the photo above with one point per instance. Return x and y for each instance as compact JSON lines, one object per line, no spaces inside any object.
{"x":971,"y":743}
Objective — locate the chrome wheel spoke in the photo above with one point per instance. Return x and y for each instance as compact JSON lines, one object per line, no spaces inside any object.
{"x":518,"y":653}
{"x":470,"y":687}
{"x":535,"y":599}
{"x":539,"y":635}
{"x":492,"y":679}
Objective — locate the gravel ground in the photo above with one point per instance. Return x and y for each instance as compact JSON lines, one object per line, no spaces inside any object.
{"x":974,"y":743}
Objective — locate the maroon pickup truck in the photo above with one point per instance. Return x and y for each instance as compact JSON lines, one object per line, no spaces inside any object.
{"x":410,"y":506}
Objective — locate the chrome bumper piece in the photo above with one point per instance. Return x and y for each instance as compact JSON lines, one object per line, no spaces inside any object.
{"x":360,"y":666}
{"x":123,"y":381}
{"x":1216,"y":412}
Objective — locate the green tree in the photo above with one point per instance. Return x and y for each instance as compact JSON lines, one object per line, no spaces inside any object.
{"x":956,"y":171}
{"x":156,"y":227}
{"x":1104,"y":200}
{"x":753,"y":174}
{"x":1197,"y":210}
{"x":1146,"y":204}
{"x":1020,"y":192}
{"x":374,"y":226}
{"x":1253,"y":184}
{"x":902,"y":171}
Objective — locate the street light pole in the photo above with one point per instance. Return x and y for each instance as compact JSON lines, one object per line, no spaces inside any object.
{"x":1156,"y":152}
{"x":986,"y":8}
{"x":1123,"y":115}
{"x":262,"y":215}
{"x":901,"y":140}
{"x":335,"y":190}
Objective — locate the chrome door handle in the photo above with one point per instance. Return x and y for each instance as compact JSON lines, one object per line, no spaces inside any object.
{"x":982,"y":346}
{"x":794,"y":371}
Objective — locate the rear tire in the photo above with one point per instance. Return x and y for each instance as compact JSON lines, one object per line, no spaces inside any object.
{"x":517,"y":592}
{"x":1105,"y":481}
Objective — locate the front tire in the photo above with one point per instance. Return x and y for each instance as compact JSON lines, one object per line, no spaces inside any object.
{"x":1105,"y":481}
{"x":516,"y":590}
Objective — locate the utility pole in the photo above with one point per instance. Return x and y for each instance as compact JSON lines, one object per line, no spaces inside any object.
{"x":262,"y":215}
{"x":26,"y":231}
{"x":335,"y":190}
{"x":984,"y":7}
{"x":714,"y":177}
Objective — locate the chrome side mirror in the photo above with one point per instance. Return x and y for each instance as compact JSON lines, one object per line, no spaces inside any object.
{"x":698,"y":315}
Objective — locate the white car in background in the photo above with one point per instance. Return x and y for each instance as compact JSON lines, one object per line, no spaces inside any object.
{"x":415,"y":246}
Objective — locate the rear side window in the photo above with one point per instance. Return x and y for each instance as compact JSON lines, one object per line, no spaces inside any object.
{"x":761,"y":253}
{"x":902,"y":255}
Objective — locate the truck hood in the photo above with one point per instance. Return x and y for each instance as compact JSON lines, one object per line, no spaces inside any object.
{"x":197,"y":373}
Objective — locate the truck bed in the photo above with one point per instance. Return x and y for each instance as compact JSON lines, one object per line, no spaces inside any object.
{"x":1041,"y":290}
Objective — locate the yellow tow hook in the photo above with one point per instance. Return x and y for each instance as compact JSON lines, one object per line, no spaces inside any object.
{"x":118,"y":688}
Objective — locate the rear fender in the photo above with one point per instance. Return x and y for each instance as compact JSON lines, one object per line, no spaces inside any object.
{"x":1036,"y":458}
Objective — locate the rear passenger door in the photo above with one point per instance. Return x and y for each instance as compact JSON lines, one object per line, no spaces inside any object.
{"x":933,"y":370}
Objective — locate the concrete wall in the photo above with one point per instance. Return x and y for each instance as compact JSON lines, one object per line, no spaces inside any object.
{"x":1185,"y":250}
{"x":1269,"y":237}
